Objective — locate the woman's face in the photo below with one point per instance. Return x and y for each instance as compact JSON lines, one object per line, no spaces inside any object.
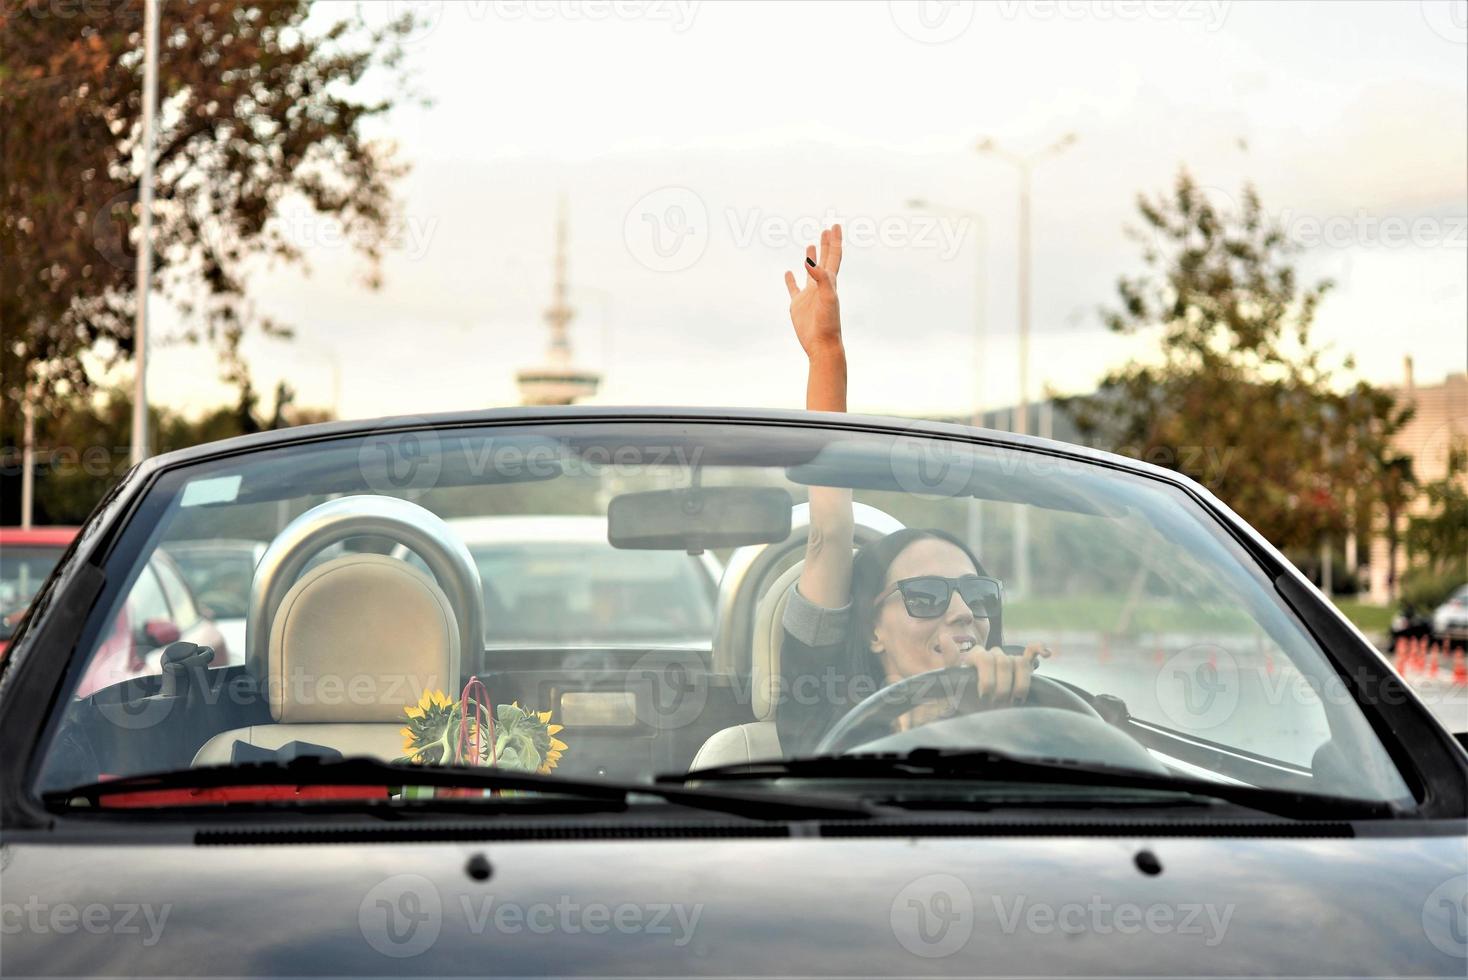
{"x":908,"y":646}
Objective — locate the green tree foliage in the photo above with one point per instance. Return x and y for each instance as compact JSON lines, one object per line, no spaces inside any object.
{"x":1439,"y":538}
{"x":1236,"y":396}
{"x":257,"y":111}
{"x":83,"y":449}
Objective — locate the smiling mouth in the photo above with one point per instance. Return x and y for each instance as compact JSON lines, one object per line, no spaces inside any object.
{"x":964,"y":644}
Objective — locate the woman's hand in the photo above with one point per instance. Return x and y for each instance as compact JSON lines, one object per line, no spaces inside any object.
{"x":815,"y":310}
{"x":1004,"y":679}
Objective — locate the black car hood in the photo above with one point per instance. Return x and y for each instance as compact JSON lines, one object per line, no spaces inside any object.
{"x":884,"y":906}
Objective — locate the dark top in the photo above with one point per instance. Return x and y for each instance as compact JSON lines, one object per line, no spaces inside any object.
{"x":822,"y":676}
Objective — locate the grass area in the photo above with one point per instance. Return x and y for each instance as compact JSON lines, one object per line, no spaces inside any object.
{"x":1367,"y":617}
{"x":1099,"y":614}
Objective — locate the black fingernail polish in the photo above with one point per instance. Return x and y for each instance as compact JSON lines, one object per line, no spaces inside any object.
{"x":810,"y":261}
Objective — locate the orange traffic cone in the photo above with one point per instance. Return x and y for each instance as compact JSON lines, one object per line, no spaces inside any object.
{"x":1460,"y":670}
{"x":1432,"y":663}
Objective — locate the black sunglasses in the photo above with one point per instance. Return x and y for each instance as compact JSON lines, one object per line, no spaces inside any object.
{"x":927,"y":596}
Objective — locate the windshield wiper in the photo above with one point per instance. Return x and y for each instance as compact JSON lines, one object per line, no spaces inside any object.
{"x":367,"y":772}
{"x":999,"y":767}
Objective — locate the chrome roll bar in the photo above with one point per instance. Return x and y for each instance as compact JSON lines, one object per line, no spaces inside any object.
{"x":347,"y":517}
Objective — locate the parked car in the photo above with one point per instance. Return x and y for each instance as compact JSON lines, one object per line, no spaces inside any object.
{"x":219,"y":572}
{"x":160,"y":608}
{"x":1213,"y":775}
{"x":1450,"y":620}
{"x":555,"y":580}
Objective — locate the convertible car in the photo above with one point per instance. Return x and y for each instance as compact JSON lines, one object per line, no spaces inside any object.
{"x":1211,"y":773}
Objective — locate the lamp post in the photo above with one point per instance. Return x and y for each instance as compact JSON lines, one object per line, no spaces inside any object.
{"x":975,"y":515}
{"x":139,"y":447}
{"x":1021,"y":424}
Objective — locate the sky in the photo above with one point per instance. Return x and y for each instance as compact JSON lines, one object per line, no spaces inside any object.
{"x":698,"y":146}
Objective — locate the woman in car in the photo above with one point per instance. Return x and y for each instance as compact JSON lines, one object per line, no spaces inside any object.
{"x":911,"y":602}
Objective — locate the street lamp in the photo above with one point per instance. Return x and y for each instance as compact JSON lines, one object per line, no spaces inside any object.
{"x":981,"y":250}
{"x":139,"y":447}
{"x":975,"y":512}
{"x":1024,"y":164}
{"x":1021,"y":424}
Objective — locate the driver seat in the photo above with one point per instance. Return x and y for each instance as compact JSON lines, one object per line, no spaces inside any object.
{"x":355,"y":641}
{"x":757,"y":741}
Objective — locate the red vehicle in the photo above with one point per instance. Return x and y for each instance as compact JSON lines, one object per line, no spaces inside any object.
{"x":160,"y":609}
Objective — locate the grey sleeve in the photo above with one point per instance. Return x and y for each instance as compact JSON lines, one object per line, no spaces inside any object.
{"x":813,"y":625}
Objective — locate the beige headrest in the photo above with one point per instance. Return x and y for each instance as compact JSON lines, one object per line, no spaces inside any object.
{"x":358,"y":639}
{"x":769,"y":634}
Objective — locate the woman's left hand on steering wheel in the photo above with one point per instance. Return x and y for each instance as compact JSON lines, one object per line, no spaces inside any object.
{"x":1004,"y":678}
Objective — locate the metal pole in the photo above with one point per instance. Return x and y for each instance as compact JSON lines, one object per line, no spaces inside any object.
{"x":28,"y":462}
{"x":139,"y":448}
{"x":1022,"y":416}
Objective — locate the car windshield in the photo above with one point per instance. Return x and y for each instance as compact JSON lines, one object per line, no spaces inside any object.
{"x":22,"y":571}
{"x":630,"y":599}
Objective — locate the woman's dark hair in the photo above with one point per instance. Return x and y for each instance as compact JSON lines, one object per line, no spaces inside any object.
{"x":869,"y":574}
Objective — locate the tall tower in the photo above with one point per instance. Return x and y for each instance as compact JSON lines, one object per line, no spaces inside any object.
{"x":557,"y":382}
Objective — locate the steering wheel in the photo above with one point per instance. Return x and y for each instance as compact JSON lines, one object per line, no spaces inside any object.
{"x":900,"y":697}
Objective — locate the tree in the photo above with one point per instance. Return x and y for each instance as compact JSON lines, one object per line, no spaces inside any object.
{"x":256,"y":111}
{"x":1237,"y":396}
{"x":1440,"y":536}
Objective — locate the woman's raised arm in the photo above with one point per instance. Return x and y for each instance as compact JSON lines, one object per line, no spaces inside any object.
{"x":815,"y":312}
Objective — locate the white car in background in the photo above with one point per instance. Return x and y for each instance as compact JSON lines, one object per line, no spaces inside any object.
{"x":1450,"y":620}
{"x":558,"y":582}
{"x":219,"y":571}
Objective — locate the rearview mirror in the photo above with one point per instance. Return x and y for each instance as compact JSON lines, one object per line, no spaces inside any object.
{"x":158,"y":633}
{"x":696,"y":518}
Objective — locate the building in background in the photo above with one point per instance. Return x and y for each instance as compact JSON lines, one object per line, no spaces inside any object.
{"x":557,"y":382}
{"x":1441,"y":421}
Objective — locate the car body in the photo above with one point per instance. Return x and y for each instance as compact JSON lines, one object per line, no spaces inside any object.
{"x":1450,"y":620}
{"x":161,"y":609}
{"x":1235,"y":843}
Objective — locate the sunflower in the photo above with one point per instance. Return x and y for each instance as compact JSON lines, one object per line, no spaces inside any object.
{"x":526,"y":740}
{"x":432,"y":725}
{"x":523,"y":740}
